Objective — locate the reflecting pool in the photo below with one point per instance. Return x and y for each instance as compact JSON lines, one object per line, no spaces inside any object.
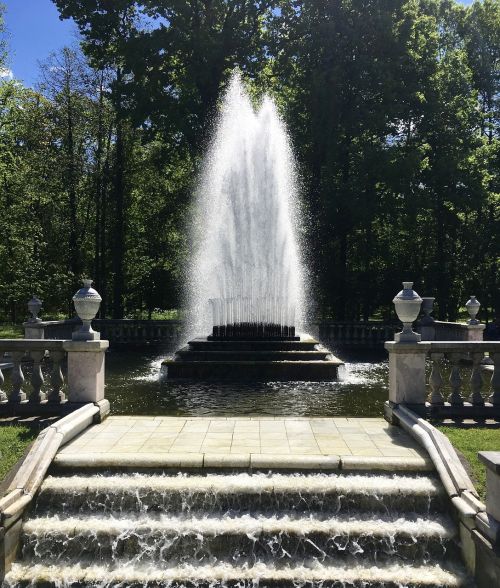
{"x":133,"y":386}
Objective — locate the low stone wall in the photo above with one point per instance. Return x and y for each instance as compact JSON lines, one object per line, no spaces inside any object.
{"x":119,"y":332}
{"x":31,"y":474}
{"x":355,"y":335}
{"x":478,"y":522}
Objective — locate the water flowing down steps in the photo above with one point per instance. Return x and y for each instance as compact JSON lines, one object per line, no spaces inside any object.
{"x":239,"y":529}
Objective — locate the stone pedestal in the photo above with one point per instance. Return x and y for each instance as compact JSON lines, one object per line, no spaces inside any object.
{"x":34,"y":330}
{"x":475,"y":332}
{"x":491,"y":460}
{"x":406,"y":373}
{"x":85,"y":370}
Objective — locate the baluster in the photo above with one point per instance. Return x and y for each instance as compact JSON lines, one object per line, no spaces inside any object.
{"x":495,"y":380}
{"x":56,"y":378}
{"x":436,"y":379}
{"x":37,"y":377}
{"x":455,"y":380}
{"x":3,"y":396}
{"x":476,"y":379}
{"x":17,"y":378}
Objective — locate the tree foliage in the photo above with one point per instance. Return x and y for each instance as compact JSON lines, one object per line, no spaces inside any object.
{"x":392,"y":105}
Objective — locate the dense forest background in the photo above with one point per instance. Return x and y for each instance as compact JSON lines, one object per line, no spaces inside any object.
{"x":394,"y":111}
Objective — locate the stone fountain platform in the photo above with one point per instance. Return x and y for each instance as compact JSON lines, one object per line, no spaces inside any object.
{"x":302,"y":360}
{"x":245,"y":442}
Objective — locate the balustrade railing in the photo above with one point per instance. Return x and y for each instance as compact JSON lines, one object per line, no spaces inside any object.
{"x":459,"y":385}
{"x":117,"y":331}
{"x":137,"y":332}
{"x":34,"y":356}
{"x":367,"y":335}
{"x":35,"y":383}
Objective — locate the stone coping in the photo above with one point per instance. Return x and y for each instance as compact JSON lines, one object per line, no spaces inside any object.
{"x":254,"y":461}
{"x":441,"y":346}
{"x":33,"y":469}
{"x":491,"y":460}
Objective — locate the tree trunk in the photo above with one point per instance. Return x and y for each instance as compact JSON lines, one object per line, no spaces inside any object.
{"x":119,"y":197}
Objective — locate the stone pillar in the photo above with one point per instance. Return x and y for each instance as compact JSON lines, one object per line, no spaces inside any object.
{"x":85,"y":370}
{"x":491,"y":460}
{"x":475,"y":332}
{"x":406,"y":376}
{"x":34,"y":330}
{"x":486,"y":536}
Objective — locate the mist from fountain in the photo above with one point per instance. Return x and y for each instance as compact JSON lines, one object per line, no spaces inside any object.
{"x":246,"y":269}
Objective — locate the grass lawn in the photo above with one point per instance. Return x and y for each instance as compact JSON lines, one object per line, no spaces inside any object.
{"x":471,"y":440}
{"x":9,"y":331}
{"x":13,"y":442}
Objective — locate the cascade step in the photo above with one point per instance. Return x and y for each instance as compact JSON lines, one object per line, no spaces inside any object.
{"x":188,"y":354}
{"x":255,"y":371}
{"x":241,"y":538}
{"x":241,"y":492}
{"x":218,"y":529}
{"x":352,"y":574}
{"x":203,"y":344}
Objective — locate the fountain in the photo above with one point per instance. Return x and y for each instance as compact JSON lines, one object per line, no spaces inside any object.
{"x":246,"y":285}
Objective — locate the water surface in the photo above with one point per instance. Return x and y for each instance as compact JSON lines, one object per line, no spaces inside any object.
{"x":133,"y":386}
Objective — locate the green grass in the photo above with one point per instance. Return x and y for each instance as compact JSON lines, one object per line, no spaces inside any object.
{"x":10,"y":331}
{"x":471,"y":440}
{"x":13,"y":442}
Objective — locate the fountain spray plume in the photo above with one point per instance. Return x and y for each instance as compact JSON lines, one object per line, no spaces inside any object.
{"x":246,"y":277}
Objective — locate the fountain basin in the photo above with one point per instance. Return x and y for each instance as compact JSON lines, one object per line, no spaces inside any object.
{"x":258,"y":360}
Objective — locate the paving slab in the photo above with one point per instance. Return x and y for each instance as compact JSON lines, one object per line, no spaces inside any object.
{"x":244,"y":441}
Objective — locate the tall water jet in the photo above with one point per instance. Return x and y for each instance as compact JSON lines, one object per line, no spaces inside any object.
{"x":246,"y":275}
{"x":246,"y":279}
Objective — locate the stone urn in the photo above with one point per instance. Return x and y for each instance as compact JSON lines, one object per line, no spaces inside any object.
{"x":427,"y":308}
{"x":34,"y":306}
{"x":407,"y":303}
{"x":87,"y":302}
{"x":473,"y":305}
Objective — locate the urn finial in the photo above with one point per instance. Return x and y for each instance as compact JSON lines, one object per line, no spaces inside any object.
{"x":34,"y":306}
{"x":87,"y":302}
{"x":473,"y":305}
{"x":407,"y":303}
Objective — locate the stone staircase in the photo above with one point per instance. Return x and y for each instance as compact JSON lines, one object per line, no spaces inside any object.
{"x":239,"y":529}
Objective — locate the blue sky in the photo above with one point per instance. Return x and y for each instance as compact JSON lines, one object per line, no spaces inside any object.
{"x":35,"y":31}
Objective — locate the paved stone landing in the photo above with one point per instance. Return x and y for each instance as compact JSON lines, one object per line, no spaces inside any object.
{"x":211,"y":441}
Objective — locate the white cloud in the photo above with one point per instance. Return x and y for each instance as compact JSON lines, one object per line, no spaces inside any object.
{"x":6,"y":73}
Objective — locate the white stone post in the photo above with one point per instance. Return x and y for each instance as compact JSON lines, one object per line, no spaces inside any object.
{"x":85,"y":370}
{"x":407,"y":373}
{"x":34,"y":330}
{"x":475,"y":332}
{"x":491,"y":460}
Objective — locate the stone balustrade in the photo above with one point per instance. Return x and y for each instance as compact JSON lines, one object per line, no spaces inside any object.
{"x":119,"y":332}
{"x":448,"y":331}
{"x":138,"y":332}
{"x":360,"y":335}
{"x":472,"y":390}
{"x":35,"y":382}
